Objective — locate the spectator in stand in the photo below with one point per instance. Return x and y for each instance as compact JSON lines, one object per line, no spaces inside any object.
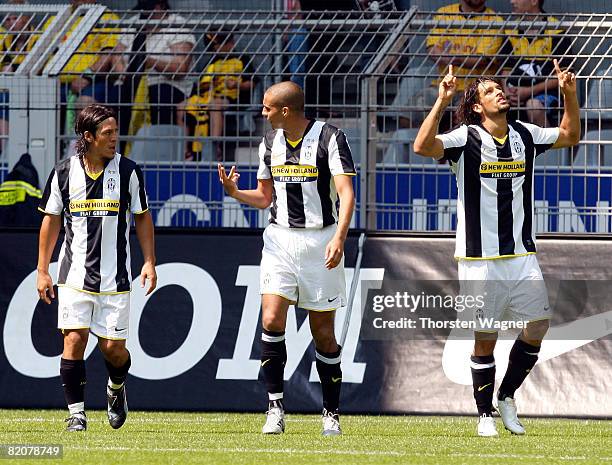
{"x":226,"y":82}
{"x":531,"y":85}
{"x":161,"y":55}
{"x":194,"y":115}
{"x":470,"y":51}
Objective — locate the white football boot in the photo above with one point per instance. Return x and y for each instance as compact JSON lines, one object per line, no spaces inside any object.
{"x":507,"y":412}
{"x":486,"y":426}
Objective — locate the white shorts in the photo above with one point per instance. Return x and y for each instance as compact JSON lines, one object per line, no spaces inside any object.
{"x":293,"y":267}
{"x":106,"y":316}
{"x":509,"y":288}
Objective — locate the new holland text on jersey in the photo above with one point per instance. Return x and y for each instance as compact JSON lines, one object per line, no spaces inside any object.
{"x":94,"y":207}
{"x":295,"y":173}
{"x":502,"y":169}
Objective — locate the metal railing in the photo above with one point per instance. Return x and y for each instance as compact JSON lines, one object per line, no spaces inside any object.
{"x":372,"y":74}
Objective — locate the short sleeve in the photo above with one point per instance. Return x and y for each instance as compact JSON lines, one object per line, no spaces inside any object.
{"x":180,"y":36}
{"x":543,"y":138}
{"x":264,"y":170}
{"x":454,"y":143}
{"x":51,"y":201}
{"x":177,"y":35}
{"x":139,"y":203}
{"x":339,"y":155}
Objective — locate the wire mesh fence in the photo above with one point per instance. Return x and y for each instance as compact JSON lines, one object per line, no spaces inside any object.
{"x":187,"y":88}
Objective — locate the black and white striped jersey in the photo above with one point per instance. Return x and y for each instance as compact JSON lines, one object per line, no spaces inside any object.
{"x":95,"y":255}
{"x":495,"y":188}
{"x":304,"y":194}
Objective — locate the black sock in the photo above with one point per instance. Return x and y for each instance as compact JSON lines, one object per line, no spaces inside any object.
{"x":273,"y":359}
{"x":330,"y":373}
{"x":118,"y":375}
{"x":483,"y":380}
{"x":72,"y":373}
{"x":523,"y":357}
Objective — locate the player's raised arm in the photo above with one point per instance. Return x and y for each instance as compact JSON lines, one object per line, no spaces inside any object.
{"x":261,"y":197}
{"x":426,"y":143}
{"x":569,"y":129}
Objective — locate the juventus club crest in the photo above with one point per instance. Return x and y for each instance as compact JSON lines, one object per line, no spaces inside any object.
{"x":110,"y":184}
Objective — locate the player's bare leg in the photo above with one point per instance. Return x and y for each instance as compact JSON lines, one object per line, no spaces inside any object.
{"x":118,"y":361}
{"x":72,"y":373}
{"x":523,"y":357}
{"x":328,"y":356}
{"x":483,"y":379}
{"x":273,"y":358}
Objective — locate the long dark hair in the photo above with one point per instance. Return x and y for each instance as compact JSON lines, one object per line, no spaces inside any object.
{"x":89,"y":119}
{"x":465,"y":112}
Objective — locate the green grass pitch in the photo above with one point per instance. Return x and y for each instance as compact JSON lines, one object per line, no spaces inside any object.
{"x":222,"y":438}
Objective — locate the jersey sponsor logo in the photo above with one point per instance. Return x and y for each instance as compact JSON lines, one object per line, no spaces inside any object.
{"x":502,"y":169}
{"x":295,"y":173}
{"x":94,"y":207}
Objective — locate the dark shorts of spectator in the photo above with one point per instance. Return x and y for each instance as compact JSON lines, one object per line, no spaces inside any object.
{"x":163,"y":99}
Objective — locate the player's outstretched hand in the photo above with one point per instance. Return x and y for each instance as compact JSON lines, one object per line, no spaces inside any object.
{"x":567,"y":79}
{"x":148,"y":272}
{"x":448,"y":86}
{"x":44,"y":285}
{"x":229,"y":181}
{"x":333,"y":253}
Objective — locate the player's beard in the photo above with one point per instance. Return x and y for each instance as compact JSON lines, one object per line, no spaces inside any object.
{"x":503,"y":108}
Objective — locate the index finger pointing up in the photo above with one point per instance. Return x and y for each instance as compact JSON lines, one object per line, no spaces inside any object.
{"x":450,"y":69}
{"x":556,"y":64}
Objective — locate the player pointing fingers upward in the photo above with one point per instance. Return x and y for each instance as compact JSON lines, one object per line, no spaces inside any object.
{"x":495,"y":237}
{"x":448,"y":85}
{"x":567,"y":79}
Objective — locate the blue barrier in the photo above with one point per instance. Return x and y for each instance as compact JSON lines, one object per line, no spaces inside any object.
{"x":407,"y":198}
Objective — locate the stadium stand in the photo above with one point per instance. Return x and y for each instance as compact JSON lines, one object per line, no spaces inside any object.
{"x":361,"y":99}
